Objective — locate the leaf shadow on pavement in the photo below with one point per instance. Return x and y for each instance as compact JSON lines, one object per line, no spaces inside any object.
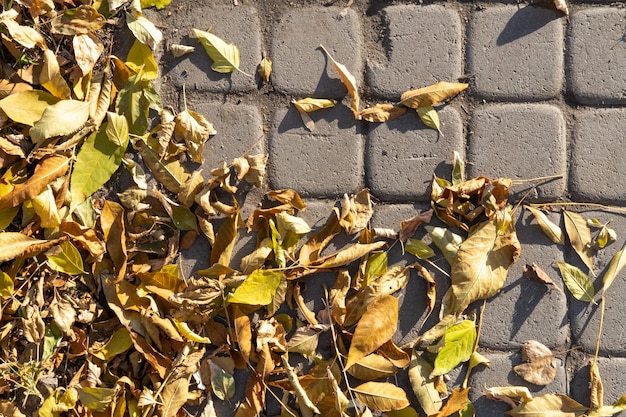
{"x":340,"y":116}
{"x":524,"y":22}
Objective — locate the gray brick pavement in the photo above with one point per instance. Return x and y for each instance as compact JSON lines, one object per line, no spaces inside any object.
{"x":536,"y":64}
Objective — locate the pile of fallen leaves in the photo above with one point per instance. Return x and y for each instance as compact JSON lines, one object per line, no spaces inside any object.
{"x":96,"y":317}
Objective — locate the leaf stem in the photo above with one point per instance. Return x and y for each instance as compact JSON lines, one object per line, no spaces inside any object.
{"x":540,"y":179}
{"x":595,"y":356}
{"x":592,"y":205}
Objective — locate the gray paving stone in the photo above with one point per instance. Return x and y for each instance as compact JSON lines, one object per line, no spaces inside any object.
{"x":403,"y":154}
{"x":612,"y":371}
{"x":500,"y":373}
{"x":239,"y":129}
{"x":194,"y":70}
{"x":526,"y":309}
{"x":585,"y":317}
{"x":597,"y":155}
{"x":423,"y":46}
{"x":516,"y":54}
{"x":325,"y":163}
{"x":519,"y":141}
{"x":597,"y":56}
{"x":300,"y":66}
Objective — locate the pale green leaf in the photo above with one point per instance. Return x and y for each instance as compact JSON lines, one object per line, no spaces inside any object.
{"x":68,"y":260}
{"x":119,"y":343}
{"x":183,"y":218}
{"x":577,"y":282}
{"x":98,"y":159}
{"x":615,"y":267}
{"x":144,"y":30}
{"x":447,"y":241}
{"x":225,"y":56}
{"x":458,"y":168}
{"x":459,"y":344}
{"x":419,"y":248}
{"x":6,"y":285}
{"x":222,"y":383}
{"x":375,"y":267}
{"x":63,"y":118}
{"x":428,"y":115}
{"x":135,"y":100}
{"x":258,"y":288}
{"x":51,"y":339}
{"x":423,"y":386}
{"x":95,"y":398}
{"x":27,"y":107}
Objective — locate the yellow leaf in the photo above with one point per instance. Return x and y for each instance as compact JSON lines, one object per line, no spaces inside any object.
{"x":553,"y":231}
{"x":45,"y":207}
{"x":312,"y":104}
{"x":51,"y":78}
{"x":112,"y":223}
{"x":459,"y":341}
{"x":6,"y":285}
{"x":7,"y":88}
{"x":188,"y":333}
{"x":382,"y":113}
{"x":141,"y":58}
{"x":349,"y":81}
{"x":553,"y":405}
{"x":28,"y":106}
{"x":431,"y":95}
{"x":377,"y":326}
{"x":428,"y":115}
{"x":372,"y":367}
{"x":579,"y":236}
{"x":87,"y":50}
{"x":381,"y":396}
{"x":577,"y":282}
{"x":346,"y":256}
{"x":62,"y":118}
{"x":265,"y":69}
{"x":24,"y":35}
{"x":225,"y":56}
{"x":66,"y":259}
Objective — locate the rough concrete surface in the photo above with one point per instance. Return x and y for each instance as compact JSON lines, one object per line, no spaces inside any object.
{"x":546,"y":98}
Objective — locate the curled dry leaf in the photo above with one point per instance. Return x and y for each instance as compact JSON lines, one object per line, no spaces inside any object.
{"x":308,"y":105}
{"x":195,"y":130}
{"x":180,"y":50}
{"x":551,"y":230}
{"x":539,"y":365}
{"x":596,"y":394}
{"x":265,"y":69}
{"x":579,"y":236}
{"x":457,"y":401}
{"x":533,"y":272}
{"x":349,"y":81}
{"x":431,"y":95}
{"x":382,"y":113}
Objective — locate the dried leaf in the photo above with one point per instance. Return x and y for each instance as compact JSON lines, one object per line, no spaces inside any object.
{"x":508,"y":394}
{"x":551,"y":230}
{"x":225,"y":56}
{"x":46,"y":171}
{"x":265,"y":69}
{"x":8,"y":409}
{"x":428,"y":115}
{"x":112,"y":223}
{"x":539,"y":367}
{"x":28,"y":106}
{"x":87,"y":50}
{"x":577,"y":282}
{"x":423,"y":386}
{"x":225,"y":240}
{"x":481,"y":264}
{"x":382,"y":113}
{"x":144,"y":30}
{"x":553,"y":405}
{"x":431,"y":95}
{"x":119,"y":343}
{"x":79,"y":21}
{"x":256,"y":173}
{"x":45,"y":207}
{"x":533,"y":272}
{"x":347,"y":256}
{"x":26,"y":36}
{"x":181,"y":50}
{"x":258,"y":288}
{"x":615,"y":267}
{"x":63,"y":314}
{"x":457,"y":401}
{"x":356,"y":212}
{"x":195,"y":130}
{"x":372,"y":367}
{"x":409,"y":226}
{"x":308,"y":105}
{"x":560,"y":5}
{"x":596,"y":394}
{"x":312,"y":248}
{"x":377,"y":326}
{"x":458,"y":168}
{"x":447,"y":241}
{"x":171,"y":174}
{"x":458,"y":346}
{"x":51,"y":79}
{"x":349,"y":81}
{"x":174,"y":396}
{"x":431,"y":291}
{"x":579,"y":236}
{"x":304,"y":340}
{"x":381,"y":396}
{"x":62,"y":118}
{"x":287,"y":196}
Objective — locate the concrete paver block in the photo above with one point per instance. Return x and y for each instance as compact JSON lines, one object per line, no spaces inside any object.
{"x":597,"y":56}
{"x":585,"y":317}
{"x":612,"y":371}
{"x":526,"y":309}
{"x":239,"y":128}
{"x":300,"y":66}
{"x":597,"y":153}
{"x":423,"y":47}
{"x":325,"y":163}
{"x":194,"y":70}
{"x":500,"y":374}
{"x":403,"y":154}
{"x":516,"y":54}
{"x":520,"y":141}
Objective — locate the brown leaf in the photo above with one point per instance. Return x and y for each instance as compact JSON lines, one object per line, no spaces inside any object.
{"x":8,"y":409}
{"x":431,"y":95}
{"x":349,"y":81}
{"x":382,"y":113}
{"x":554,"y":405}
{"x":195,"y":130}
{"x":381,"y":396}
{"x":394,"y":354}
{"x":347,"y":256}
{"x":46,"y":171}
{"x":159,"y":362}
{"x":409,"y":226}
{"x":579,"y":236}
{"x":356,"y":212}
{"x":225,"y":240}
{"x":7,"y":88}
{"x":288,"y":196}
{"x":63,"y":314}
{"x":533,"y":272}
{"x":243,"y":332}
{"x":596,"y":394}
{"x":174,"y":396}
{"x":457,"y":401}
{"x":539,"y":367}
{"x":372,"y":367}
{"x":255,"y":398}
{"x":86,"y":237}
{"x":112,"y":223}
{"x":26,"y":36}
{"x":431,"y":291}
{"x":306,"y":312}
{"x":14,"y":244}
{"x":312,"y":248}
{"x":377,"y":326}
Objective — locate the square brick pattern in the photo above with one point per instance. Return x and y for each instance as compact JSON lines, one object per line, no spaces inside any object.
{"x":403,"y":154}
{"x":300,"y":66}
{"x":598,"y":144}
{"x":194,"y":69}
{"x":516,"y":54}
{"x":597,"y":56}
{"x":325,"y":163}
{"x":423,"y":47}
{"x":520,"y":141}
